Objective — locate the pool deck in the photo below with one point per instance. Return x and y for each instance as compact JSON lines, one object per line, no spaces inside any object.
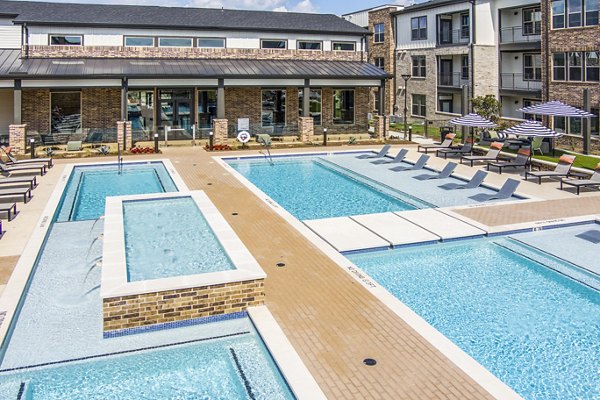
{"x":332,"y":320}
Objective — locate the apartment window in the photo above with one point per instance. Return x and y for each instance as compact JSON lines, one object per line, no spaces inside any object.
{"x":65,"y":110}
{"x":445,"y":103}
{"x":532,"y":67}
{"x":532,"y":21}
{"x":211,"y":43}
{"x":560,"y":124}
{"x":343,"y":46}
{"x":343,"y":106}
{"x":379,"y":62}
{"x":419,"y":66}
{"x":559,"y":64}
{"x":315,"y":105}
{"x":465,"y":29}
{"x":464,"y":67}
{"x":419,"y":107}
{"x":558,"y":14}
{"x":308,"y":45}
{"x":174,"y":42}
{"x":66,"y":40}
{"x":273,"y":108}
{"x":575,"y":64}
{"x":273,"y":44}
{"x":592,"y":66}
{"x":379,"y":35}
{"x":531,"y":117}
{"x":418,"y":26}
{"x":574,"y":11}
{"x":575,"y":126}
{"x":591,"y":12}
{"x":139,"y":41}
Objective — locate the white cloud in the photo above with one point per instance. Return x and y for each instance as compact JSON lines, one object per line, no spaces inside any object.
{"x":404,"y":2}
{"x":305,"y":6}
{"x":235,"y":4}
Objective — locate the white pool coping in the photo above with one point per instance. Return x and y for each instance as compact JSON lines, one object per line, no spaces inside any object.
{"x":114,"y":281}
{"x":455,"y":354}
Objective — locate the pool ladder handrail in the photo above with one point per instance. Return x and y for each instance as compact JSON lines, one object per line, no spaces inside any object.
{"x":265,"y":146}
{"x":119,"y":160}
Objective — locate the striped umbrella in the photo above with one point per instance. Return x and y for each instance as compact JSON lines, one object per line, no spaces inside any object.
{"x":531,"y":128}
{"x":556,"y":109}
{"x":474,"y":120}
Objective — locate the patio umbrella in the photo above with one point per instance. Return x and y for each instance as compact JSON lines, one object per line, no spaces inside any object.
{"x":531,"y":129}
{"x":473,"y":120}
{"x":556,"y":109}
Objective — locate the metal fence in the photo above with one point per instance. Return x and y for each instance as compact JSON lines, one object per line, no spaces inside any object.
{"x":517,"y":82}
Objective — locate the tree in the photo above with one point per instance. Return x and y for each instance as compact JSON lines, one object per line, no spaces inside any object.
{"x":487,"y":106}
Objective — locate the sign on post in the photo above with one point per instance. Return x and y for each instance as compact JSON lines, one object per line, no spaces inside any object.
{"x":243,"y":137}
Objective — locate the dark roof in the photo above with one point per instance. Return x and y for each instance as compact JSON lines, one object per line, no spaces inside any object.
{"x":428,"y":4}
{"x":13,"y":67}
{"x":74,"y":14}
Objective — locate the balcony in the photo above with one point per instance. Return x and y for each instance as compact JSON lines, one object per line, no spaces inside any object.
{"x":517,"y":35}
{"x":452,"y":80}
{"x":453,"y":37}
{"x":515,"y":82}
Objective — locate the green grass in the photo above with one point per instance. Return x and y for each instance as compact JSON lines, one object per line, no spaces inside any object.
{"x":581,"y":161}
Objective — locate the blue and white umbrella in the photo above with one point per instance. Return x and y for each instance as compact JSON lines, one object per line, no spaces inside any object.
{"x":556,"y":109}
{"x":531,"y":129}
{"x":474,"y":120}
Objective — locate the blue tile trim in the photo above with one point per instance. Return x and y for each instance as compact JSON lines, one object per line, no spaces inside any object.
{"x":369,"y":250}
{"x":542,"y":228}
{"x":175,"y":324}
{"x":125,"y":351}
{"x":241,"y":158}
{"x":458,"y":239}
{"x":405,"y":245}
{"x":21,"y":391}
{"x":238,"y":366}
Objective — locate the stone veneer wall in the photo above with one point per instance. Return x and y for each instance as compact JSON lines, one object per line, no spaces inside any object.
{"x":180,"y":305}
{"x":100,"y":107}
{"x":485,"y":70}
{"x":384,"y":50}
{"x":575,"y":143}
{"x":35,"y":110}
{"x":42,"y":51}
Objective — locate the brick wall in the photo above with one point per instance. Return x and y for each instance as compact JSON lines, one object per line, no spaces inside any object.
{"x":182,"y":304}
{"x":485,"y":70}
{"x":242,"y":103}
{"x":36,"y":110}
{"x":40,"y":51}
{"x":384,"y":50}
{"x":361,"y":108}
{"x":100,"y":107}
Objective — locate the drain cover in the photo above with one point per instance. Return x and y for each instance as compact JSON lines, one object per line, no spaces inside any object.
{"x":234,"y":213}
{"x":369,"y":361}
{"x":280,"y":264}
{"x":209,"y":183}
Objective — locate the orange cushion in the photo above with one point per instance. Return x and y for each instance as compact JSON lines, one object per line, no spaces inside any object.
{"x":525,"y":152}
{"x":566,"y":159}
{"x":7,"y":149}
{"x":598,"y":167}
{"x":497,"y":145}
{"x":450,"y":135}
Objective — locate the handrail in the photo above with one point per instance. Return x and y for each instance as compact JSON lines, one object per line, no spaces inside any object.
{"x":516,"y":34}
{"x":517,"y":82}
{"x":454,"y":79}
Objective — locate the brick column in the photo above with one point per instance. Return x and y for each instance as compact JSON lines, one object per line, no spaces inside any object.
{"x":380,"y":128}
{"x":124,"y":134}
{"x":306,"y":128}
{"x":17,"y":136}
{"x":220,"y":130}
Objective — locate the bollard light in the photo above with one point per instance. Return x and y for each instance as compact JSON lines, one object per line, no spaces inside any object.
{"x":324,"y":136}
{"x":32,"y":146}
{"x":156,"y":142}
{"x":211,"y":140}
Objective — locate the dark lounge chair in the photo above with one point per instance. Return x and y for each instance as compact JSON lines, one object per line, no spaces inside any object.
{"x":475,"y":182}
{"x":398,"y":159}
{"x":466,"y":148}
{"x":18,"y":191}
{"x":7,"y":169}
{"x":435,"y":146}
{"x":505,"y":192}
{"x":522,"y":160}
{"x":31,"y":180}
{"x":384,"y":150}
{"x":10,"y":209}
{"x":445,"y":173}
{"x":492,"y":154}
{"x":417,"y":165}
{"x":562,"y":169}
{"x":592,"y":181}
{"x":14,"y":161}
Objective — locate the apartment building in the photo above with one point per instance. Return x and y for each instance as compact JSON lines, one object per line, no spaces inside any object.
{"x":70,"y":69}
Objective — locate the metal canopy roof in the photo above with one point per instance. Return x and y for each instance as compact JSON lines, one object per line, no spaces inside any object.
{"x":13,"y":67}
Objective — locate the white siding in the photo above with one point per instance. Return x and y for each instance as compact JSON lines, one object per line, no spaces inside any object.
{"x":6,"y":109}
{"x":10,"y":36}
{"x":360,"y":18}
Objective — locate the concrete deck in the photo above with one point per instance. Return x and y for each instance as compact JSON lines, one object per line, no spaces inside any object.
{"x":332,"y":321}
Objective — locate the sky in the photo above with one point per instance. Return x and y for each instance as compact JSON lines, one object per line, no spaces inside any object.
{"x":337,"y":7}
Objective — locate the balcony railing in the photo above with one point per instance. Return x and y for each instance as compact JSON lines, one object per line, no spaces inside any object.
{"x":516,"y":82}
{"x":452,"y":80}
{"x":516,"y":34}
{"x":453,"y":37}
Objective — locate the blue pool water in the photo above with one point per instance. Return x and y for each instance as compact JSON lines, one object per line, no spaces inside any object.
{"x":310,"y":189}
{"x":169,"y":237}
{"x":90,"y":185}
{"x":535,"y":329}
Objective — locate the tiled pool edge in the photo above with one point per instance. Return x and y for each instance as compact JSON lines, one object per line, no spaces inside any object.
{"x":462,"y":360}
{"x":15,"y":287}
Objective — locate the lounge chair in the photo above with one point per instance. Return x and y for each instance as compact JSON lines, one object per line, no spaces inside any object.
{"x":14,"y":161}
{"x":522,"y":160}
{"x":7,"y":169}
{"x":445,"y":173}
{"x":466,"y":148}
{"x":31,"y":180}
{"x":492,"y":154}
{"x":416,"y":166}
{"x":398,"y":159}
{"x":384,"y":150}
{"x":18,"y":191}
{"x":505,"y":192}
{"x":475,"y":182}
{"x":562,"y":170}
{"x":435,"y":146}
{"x":10,"y":209}
{"x":592,"y":181}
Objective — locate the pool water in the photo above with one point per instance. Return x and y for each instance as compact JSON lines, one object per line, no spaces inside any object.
{"x":90,"y":185}
{"x":534,"y":328}
{"x":169,"y":237}
{"x":309,"y":189}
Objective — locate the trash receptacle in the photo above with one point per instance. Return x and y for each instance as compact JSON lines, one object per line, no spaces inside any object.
{"x":444,"y":130}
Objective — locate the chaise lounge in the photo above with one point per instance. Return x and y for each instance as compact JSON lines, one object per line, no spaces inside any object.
{"x":475,"y":182}
{"x":14,"y":161}
{"x":562,"y":169}
{"x":19,"y":191}
{"x":522,"y":160}
{"x":593,"y":181}
{"x":384,"y":150}
{"x":10,"y":209}
{"x":31,"y":180}
{"x":466,"y":148}
{"x":505,"y":192}
{"x":492,"y":154}
{"x":417,"y":165}
{"x":435,"y":146}
{"x":398,"y":159}
{"x":444,"y":173}
{"x":7,"y":169}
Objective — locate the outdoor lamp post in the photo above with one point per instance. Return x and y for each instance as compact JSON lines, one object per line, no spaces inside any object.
{"x":324,"y":136}
{"x":156,"y":142}
{"x":32,"y":146}
{"x":210,"y":140}
{"x":406,"y":77}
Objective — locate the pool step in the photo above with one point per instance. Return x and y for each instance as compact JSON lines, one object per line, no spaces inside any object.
{"x":440,"y":224}
{"x":345,"y":234}
{"x":395,"y":229}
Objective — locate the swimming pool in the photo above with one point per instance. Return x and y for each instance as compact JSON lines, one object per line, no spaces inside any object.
{"x":532,"y":327}
{"x":169,"y":237}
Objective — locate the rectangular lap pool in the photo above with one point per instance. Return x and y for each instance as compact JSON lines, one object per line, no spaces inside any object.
{"x":532,"y":327}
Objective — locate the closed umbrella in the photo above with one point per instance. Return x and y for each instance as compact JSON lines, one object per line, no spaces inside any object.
{"x":473,"y":120}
